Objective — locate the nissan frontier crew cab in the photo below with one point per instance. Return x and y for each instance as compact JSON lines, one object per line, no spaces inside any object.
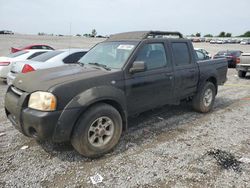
{"x":89,"y":103}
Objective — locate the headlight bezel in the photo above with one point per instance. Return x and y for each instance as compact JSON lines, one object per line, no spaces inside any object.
{"x":42,"y":101}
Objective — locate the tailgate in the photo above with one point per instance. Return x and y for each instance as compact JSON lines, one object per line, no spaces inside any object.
{"x":245,"y":58}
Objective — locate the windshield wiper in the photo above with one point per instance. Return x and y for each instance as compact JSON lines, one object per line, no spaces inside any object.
{"x":101,"y":65}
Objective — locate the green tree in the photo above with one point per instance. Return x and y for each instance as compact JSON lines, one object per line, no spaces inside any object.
{"x":198,"y":34}
{"x":228,"y":35}
{"x":246,"y":34}
{"x":222,"y":34}
{"x":208,"y":35}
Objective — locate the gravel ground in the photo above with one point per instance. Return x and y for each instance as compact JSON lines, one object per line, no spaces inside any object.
{"x":172,"y":146}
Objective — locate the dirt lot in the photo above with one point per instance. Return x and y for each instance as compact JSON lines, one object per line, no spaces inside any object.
{"x":172,"y":146}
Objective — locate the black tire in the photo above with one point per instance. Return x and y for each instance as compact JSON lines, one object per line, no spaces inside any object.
{"x":242,"y":74}
{"x":200,"y":104}
{"x":82,"y":132}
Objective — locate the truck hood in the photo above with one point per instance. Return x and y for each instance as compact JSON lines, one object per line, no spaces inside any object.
{"x":43,"y":80}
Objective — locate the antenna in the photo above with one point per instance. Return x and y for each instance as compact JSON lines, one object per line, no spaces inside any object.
{"x":70,"y":36}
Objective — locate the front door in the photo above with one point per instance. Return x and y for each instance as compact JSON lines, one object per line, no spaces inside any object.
{"x":152,"y":87}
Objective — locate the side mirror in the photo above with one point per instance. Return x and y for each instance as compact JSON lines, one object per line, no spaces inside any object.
{"x":138,"y":66}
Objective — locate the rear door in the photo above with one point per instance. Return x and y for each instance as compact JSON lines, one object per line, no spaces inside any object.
{"x":152,"y":87}
{"x":186,"y":68}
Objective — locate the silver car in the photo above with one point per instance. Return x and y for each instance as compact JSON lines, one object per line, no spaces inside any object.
{"x":47,"y":60}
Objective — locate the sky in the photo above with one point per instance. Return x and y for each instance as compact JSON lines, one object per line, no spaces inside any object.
{"x":114,"y":16}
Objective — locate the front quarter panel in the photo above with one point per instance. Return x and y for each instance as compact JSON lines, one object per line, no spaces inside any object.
{"x":80,"y":103}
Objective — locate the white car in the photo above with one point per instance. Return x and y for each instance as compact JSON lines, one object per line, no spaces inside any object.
{"x":50,"y":59}
{"x":7,"y":61}
{"x":245,"y":42}
{"x":220,"y":41}
{"x":208,"y":55}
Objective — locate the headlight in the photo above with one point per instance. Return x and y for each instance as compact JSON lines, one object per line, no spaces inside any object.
{"x":43,"y":101}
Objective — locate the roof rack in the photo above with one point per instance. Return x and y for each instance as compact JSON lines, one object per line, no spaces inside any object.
{"x":163,"y":34}
{"x":140,"y":35}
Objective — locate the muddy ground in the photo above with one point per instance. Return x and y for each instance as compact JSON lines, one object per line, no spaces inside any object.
{"x":172,"y":146}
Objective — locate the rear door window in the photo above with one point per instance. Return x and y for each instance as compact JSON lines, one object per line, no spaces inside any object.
{"x":73,"y":58}
{"x":181,"y":53}
{"x":35,"y":54}
{"x":46,"y":56}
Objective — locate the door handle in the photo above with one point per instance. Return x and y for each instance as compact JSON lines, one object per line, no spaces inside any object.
{"x":170,"y":76}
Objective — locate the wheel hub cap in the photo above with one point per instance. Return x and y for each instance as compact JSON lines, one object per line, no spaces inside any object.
{"x":101,"y":131}
{"x":208,"y":97}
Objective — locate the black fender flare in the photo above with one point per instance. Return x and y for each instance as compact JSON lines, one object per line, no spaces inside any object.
{"x":211,"y":78}
{"x":73,"y":110}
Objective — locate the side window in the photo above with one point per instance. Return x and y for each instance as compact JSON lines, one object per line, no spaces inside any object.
{"x":73,"y":58}
{"x":47,"y":48}
{"x":200,"y":55}
{"x":181,"y":53}
{"x":153,"y":55}
{"x":35,"y":54}
{"x":36,"y":47}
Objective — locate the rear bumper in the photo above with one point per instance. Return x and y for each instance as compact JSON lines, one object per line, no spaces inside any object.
{"x":245,"y":68}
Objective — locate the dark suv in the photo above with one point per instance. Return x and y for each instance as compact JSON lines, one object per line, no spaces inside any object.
{"x":89,"y":103}
{"x":233,"y":57}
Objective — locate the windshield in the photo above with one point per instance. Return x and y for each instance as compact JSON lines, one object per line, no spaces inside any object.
{"x":46,"y":56}
{"x":109,"y":54}
{"x":16,"y":54}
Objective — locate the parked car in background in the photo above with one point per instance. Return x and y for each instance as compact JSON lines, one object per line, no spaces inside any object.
{"x":220,"y":41}
{"x":245,"y":42}
{"x":244,"y":66}
{"x":6,"y":32}
{"x":213,"y":41}
{"x":208,"y":39}
{"x":30,"y":47}
{"x":7,"y":61}
{"x":196,"y":39}
{"x":232,"y":56}
{"x":208,"y":55}
{"x":89,"y":103}
{"x":50,"y":59}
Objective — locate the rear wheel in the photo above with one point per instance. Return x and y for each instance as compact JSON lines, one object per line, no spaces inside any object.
{"x":242,"y":74}
{"x":203,"y":101}
{"x":98,"y":131}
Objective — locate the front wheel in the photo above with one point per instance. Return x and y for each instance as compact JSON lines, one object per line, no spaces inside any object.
{"x":203,"y":101}
{"x":98,"y":131}
{"x":241,"y":74}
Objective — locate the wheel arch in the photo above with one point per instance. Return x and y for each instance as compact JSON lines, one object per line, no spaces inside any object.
{"x":213,"y":80}
{"x":82,"y":102}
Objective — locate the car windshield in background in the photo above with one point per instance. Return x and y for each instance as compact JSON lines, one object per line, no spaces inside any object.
{"x":46,"y":56}
{"x":16,"y":54}
{"x":110,"y":54}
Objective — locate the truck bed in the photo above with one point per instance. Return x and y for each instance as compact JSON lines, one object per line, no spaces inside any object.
{"x":214,"y":67}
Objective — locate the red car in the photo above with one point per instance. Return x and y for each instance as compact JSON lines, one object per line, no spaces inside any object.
{"x":34,"y":46}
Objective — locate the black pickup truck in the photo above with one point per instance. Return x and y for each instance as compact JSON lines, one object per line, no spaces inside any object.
{"x":88,"y":103}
